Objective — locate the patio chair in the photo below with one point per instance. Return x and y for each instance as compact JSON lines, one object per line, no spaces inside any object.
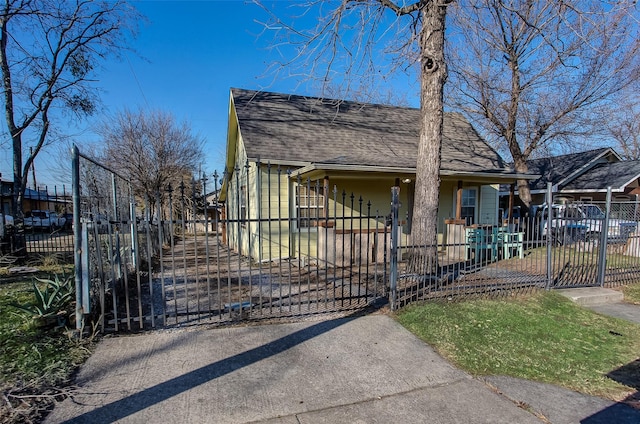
{"x":481,"y":244}
{"x":510,"y":244}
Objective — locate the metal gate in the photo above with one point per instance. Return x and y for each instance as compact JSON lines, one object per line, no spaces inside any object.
{"x":596,"y":243}
{"x":182,"y":257}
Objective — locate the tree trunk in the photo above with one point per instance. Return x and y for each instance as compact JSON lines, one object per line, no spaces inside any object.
{"x":18,"y":191}
{"x":432,"y":79}
{"x":520,"y":166}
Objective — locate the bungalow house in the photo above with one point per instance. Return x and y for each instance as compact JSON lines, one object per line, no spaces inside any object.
{"x":584,"y":176}
{"x":291,"y":158}
{"x":213,"y":208}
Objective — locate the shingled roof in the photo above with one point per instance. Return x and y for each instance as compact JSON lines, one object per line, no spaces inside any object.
{"x":618,"y":175}
{"x":559,"y":169}
{"x":301,"y":130}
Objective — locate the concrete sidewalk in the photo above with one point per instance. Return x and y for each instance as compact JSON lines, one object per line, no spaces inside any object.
{"x":620,"y":310}
{"x":350,"y":370}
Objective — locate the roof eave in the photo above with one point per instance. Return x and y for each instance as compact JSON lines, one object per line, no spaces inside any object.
{"x":279,"y":162}
{"x":501,"y":176}
{"x":353,"y":168}
{"x":504,"y":175}
{"x":590,"y":190}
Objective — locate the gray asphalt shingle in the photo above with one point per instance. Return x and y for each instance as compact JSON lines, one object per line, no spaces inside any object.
{"x":554,"y":169}
{"x":289,"y":128}
{"x":616,"y":175}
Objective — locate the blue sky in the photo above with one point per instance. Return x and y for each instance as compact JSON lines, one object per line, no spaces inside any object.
{"x":189,"y":54}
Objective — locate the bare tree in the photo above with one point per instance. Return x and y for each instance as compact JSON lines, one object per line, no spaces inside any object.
{"x":344,"y":46}
{"x":151,"y":149}
{"x":624,"y":128}
{"x":49,"y":50}
{"x":532,"y":73}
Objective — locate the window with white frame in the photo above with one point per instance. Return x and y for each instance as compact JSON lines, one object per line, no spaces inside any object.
{"x":469,"y":205}
{"x":243,"y":204}
{"x":309,"y":204}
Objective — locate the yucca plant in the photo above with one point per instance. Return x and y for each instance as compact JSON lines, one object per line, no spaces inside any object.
{"x":51,"y":299}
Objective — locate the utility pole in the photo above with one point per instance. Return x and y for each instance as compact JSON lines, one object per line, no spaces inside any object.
{"x":33,"y":170}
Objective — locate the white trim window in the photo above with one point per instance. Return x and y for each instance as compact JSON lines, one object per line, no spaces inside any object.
{"x":243,"y":205}
{"x":469,"y":205}
{"x":309,"y":205}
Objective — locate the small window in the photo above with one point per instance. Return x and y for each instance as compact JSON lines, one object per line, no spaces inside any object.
{"x":468,"y":207}
{"x":243,"y":204}
{"x":309,"y":204}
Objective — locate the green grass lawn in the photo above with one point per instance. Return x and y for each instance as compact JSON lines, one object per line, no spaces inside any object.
{"x":34,"y":363}
{"x":543,"y":337}
{"x":632,"y":293}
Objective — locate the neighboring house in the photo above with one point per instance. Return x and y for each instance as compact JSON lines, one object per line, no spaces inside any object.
{"x":34,"y":200}
{"x":320,"y":145}
{"x":213,"y":208}
{"x":212,"y":200}
{"x":46,"y":200}
{"x":6,"y":190}
{"x":584,"y":177}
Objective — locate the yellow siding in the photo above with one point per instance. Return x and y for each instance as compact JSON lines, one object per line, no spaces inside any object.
{"x":237,"y":235}
{"x":488,"y":208}
{"x":447,"y":207}
{"x":271,"y":234}
{"x":274,"y":214}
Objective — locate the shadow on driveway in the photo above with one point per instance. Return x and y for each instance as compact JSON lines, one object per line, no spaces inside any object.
{"x":141,"y":400}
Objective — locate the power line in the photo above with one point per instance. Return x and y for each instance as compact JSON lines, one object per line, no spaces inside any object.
{"x":135,"y":77}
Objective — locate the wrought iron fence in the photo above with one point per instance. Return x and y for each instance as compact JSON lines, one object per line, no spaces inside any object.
{"x":45,"y":229}
{"x":574,"y":244}
{"x":113,"y":263}
{"x":206,"y":273}
{"x":298,"y":247}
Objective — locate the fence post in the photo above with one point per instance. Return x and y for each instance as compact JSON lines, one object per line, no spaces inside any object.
{"x":2,"y":218}
{"x":133,"y":231}
{"x":604,"y":230}
{"x":159,"y":251}
{"x":77,"y":235}
{"x":549,"y":221}
{"x":85,"y":260}
{"x":114,"y":194}
{"x":393,"y":277}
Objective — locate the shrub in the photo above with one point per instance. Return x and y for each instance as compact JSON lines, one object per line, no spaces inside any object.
{"x":52,"y":298}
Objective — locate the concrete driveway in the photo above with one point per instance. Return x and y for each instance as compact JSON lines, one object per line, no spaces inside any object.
{"x":367,"y":369}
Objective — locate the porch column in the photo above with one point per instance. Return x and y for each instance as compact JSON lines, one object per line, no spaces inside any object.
{"x":223,"y":218}
{"x":512,"y":189}
{"x":325,"y":187}
{"x":459,"y":201}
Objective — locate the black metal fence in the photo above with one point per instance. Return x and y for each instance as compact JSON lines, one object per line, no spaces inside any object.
{"x":297,"y":247}
{"x":574,"y":244}
{"x":203,"y":273}
{"x":45,"y":229}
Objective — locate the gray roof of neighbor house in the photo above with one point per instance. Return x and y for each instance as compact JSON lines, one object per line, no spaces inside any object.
{"x":618,"y":175}
{"x":557,"y":169}
{"x":307,"y":130}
